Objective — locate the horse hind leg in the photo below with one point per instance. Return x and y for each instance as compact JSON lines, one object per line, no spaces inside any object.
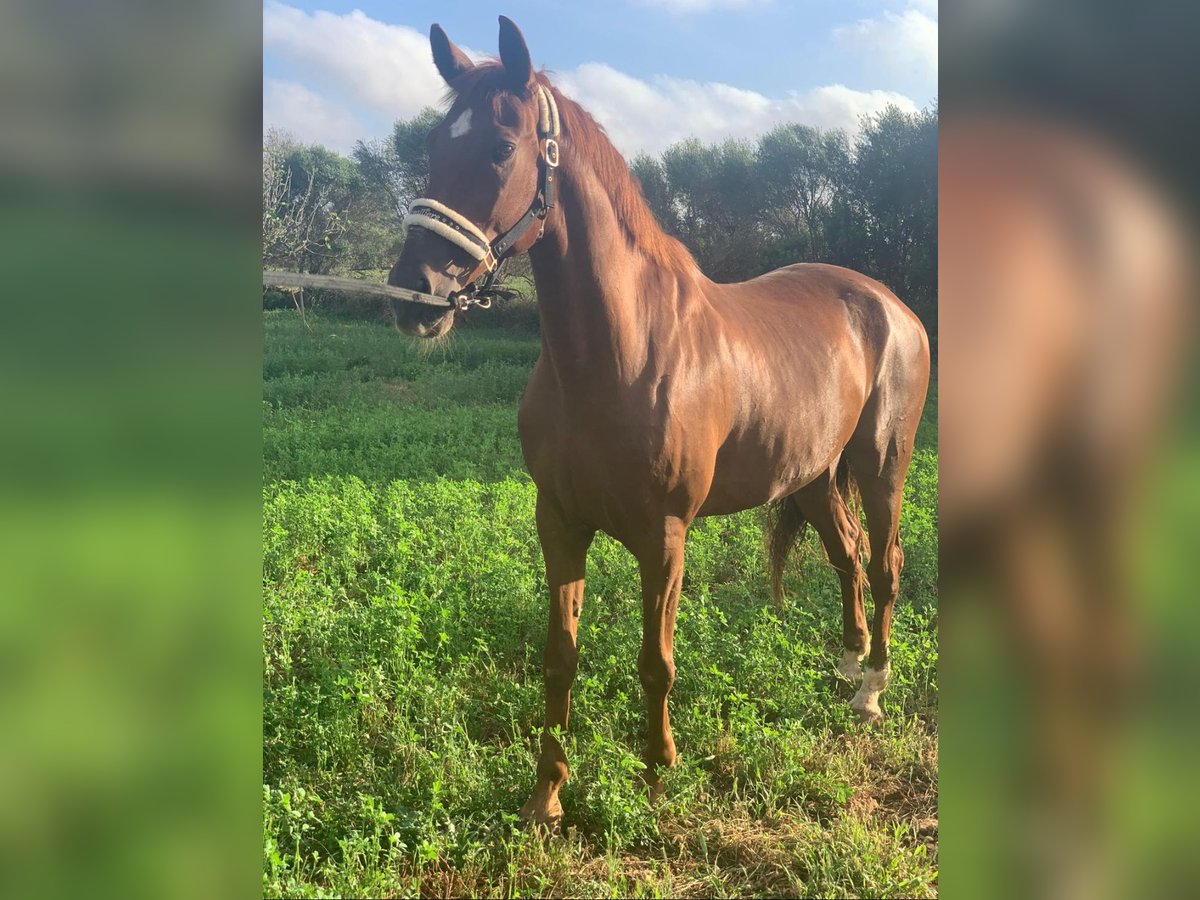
{"x":824,"y":504}
{"x":879,"y":473}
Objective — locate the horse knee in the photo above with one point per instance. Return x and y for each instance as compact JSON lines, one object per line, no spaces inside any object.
{"x":560,"y":664}
{"x":657,"y":673}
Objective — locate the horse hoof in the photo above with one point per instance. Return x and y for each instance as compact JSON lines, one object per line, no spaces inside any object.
{"x":868,"y":715}
{"x":655,"y":788}
{"x":543,"y":815}
{"x":866,"y":701}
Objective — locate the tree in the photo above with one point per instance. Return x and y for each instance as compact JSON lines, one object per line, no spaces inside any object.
{"x":299,"y":223}
{"x":652,"y":178}
{"x":398,"y":166}
{"x":883,"y":220}
{"x":800,"y":168}
{"x":709,"y":197}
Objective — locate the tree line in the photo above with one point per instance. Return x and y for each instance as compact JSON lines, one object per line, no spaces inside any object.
{"x":743,"y":207}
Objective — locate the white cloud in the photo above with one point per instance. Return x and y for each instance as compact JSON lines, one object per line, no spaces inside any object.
{"x":308,"y":116}
{"x":644,"y":116}
{"x":387,"y":71}
{"x":389,"y":68}
{"x":904,"y":44}
{"x":837,"y":106}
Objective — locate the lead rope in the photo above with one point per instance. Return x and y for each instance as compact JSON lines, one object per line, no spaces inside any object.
{"x":456,"y":228}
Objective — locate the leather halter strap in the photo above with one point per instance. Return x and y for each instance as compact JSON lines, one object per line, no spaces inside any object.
{"x":445,"y":222}
{"x":456,"y":228}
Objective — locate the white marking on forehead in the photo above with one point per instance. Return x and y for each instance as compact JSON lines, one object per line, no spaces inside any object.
{"x":461,"y":125}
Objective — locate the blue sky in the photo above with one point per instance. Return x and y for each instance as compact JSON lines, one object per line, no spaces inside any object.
{"x":651,"y":71}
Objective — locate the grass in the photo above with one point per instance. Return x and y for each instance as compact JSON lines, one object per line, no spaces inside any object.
{"x":403,"y":628}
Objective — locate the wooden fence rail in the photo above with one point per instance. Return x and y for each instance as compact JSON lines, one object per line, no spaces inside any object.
{"x":349,"y":286}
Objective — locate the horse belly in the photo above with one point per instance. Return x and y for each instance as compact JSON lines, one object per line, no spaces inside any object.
{"x":736,"y":487}
{"x":789,"y":424}
{"x":757,"y":466}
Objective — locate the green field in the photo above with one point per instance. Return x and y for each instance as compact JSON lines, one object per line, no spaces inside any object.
{"x":404,"y":619}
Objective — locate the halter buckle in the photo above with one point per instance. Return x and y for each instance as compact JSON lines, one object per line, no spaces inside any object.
{"x":552,"y":153}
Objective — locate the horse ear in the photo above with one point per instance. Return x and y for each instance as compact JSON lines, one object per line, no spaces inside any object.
{"x":515,"y":54}
{"x":450,"y":61}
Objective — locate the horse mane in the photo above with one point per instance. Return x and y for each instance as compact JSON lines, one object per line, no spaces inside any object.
{"x":585,"y":139}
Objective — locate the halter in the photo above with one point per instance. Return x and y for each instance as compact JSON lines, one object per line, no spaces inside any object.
{"x":456,"y":228}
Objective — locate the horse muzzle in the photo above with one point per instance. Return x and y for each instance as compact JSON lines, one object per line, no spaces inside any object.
{"x":422,"y":321}
{"x":419,"y":319}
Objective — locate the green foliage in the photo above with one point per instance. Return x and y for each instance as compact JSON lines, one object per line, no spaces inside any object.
{"x":348,"y":223}
{"x":399,"y":165}
{"x":404,"y":620}
{"x":710,"y":197}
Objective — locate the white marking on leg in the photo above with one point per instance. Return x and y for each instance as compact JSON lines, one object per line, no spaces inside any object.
{"x":461,"y":125}
{"x":866,"y":701}
{"x":850,"y":667}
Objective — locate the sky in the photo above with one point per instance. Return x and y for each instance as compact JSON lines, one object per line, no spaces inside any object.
{"x":652,"y":72}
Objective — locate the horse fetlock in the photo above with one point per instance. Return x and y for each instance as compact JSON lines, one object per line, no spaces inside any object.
{"x":656,"y":785}
{"x":657,"y":760}
{"x":850,"y":667}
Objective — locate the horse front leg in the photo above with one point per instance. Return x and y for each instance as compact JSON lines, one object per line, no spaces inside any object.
{"x":564,"y":547}
{"x":661,"y":565}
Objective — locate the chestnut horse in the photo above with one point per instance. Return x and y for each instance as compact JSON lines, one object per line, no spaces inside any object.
{"x":660,"y":396}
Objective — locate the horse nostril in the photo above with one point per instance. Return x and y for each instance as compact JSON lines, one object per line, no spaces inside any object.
{"x":423,"y":285}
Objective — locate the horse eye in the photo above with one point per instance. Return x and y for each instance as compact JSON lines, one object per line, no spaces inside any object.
{"x":504,"y":151}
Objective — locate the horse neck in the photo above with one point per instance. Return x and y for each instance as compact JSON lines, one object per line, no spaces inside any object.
{"x":590,"y":281}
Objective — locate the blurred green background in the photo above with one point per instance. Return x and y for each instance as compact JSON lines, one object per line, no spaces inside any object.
{"x":130,"y":447}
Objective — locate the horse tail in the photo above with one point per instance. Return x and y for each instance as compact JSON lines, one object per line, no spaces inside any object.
{"x":847,"y":487}
{"x":786,"y":526}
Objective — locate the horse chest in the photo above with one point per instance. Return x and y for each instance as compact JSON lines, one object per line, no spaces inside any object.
{"x":608,"y":445}
{"x":607,"y":460}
